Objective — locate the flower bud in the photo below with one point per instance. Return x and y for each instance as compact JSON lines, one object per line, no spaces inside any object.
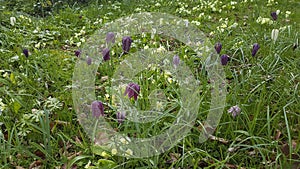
{"x":106,"y":55}
{"x":89,"y":60}
{"x":121,"y":117}
{"x":274,"y":15}
{"x":26,"y":52}
{"x":97,"y":109}
{"x":255,"y":48}
{"x":110,"y":37}
{"x":224,"y":59}
{"x":218,"y":47}
{"x":176,"y":60}
{"x":126,"y":43}
{"x":77,"y":53}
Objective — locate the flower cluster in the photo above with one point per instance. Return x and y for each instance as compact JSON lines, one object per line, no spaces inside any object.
{"x":110,"y":38}
{"x":225,"y":57}
{"x":97,"y":108}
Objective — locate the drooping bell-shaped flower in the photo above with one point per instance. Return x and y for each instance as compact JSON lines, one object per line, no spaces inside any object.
{"x":26,"y":52}
{"x":234,"y":110}
{"x":218,"y":47}
{"x":255,"y":48}
{"x":126,"y":43}
{"x":77,"y":53}
{"x":132,"y":90}
{"x":110,"y":37}
{"x":89,"y":60}
{"x":176,"y":60}
{"x":274,"y":15}
{"x":224,"y":59}
{"x":106,"y":55}
{"x":97,"y":109}
{"x":121,"y":116}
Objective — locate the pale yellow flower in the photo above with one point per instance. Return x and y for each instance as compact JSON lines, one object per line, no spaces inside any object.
{"x":114,"y":151}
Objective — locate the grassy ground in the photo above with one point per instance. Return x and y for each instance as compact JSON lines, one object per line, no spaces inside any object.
{"x":39,"y":126}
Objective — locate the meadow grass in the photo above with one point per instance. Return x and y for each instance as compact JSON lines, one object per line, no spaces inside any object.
{"x":39,"y":126}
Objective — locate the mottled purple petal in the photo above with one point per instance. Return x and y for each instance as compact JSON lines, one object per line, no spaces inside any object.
{"x":77,"y":53}
{"x":106,"y":55}
{"x":89,"y":60}
{"x":218,"y":47}
{"x":274,"y":15}
{"x":234,"y":110}
{"x":26,"y":52}
{"x":224,"y":59}
{"x":176,"y":60}
{"x":121,"y":117}
{"x":97,"y":109}
{"x":255,"y":48}
{"x":126,"y":43}
{"x":132,"y":90}
{"x":110,"y":37}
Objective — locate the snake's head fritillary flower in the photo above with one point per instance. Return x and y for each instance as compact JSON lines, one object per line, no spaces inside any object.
{"x":218,"y":47}
{"x":274,"y":15}
{"x":97,"y":109}
{"x":121,"y":117}
{"x":234,"y":110}
{"x":106,"y":55}
{"x":26,"y":52}
{"x":89,"y":60}
{"x":224,"y":59}
{"x":132,"y":90}
{"x":255,"y":48}
{"x":176,"y":60}
{"x":77,"y":53}
{"x":110,"y":37}
{"x":126,"y":43}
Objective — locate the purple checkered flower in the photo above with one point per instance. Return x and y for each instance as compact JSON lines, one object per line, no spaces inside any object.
{"x":132,"y":90}
{"x":224,"y":59}
{"x":255,"y":48}
{"x":77,"y":53}
{"x":218,"y":47}
{"x":106,"y":55}
{"x":234,"y":111}
{"x":89,"y":60}
{"x":126,"y":43}
{"x":176,"y":60}
{"x":97,"y":109}
{"x":110,"y":37}
{"x":274,"y":15}
{"x":121,"y":117}
{"x":26,"y":52}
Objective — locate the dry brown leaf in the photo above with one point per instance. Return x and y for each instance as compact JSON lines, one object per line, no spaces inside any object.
{"x":219,"y":139}
{"x":104,"y":78}
{"x":19,"y":167}
{"x":77,"y":140}
{"x":174,"y":158}
{"x":285,"y":148}
{"x":277,"y":135}
{"x":234,"y":166}
{"x":40,"y":154}
{"x":74,"y":166}
{"x":35,"y":164}
{"x":74,"y":155}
